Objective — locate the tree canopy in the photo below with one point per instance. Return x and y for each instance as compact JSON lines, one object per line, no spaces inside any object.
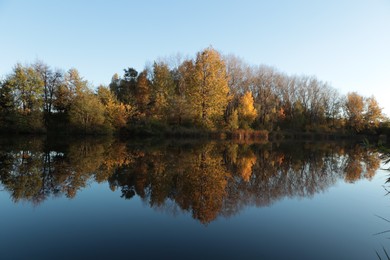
{"x":209,"y":92}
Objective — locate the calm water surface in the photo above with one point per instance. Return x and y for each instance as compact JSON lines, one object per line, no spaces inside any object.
{"x":104,"y":198}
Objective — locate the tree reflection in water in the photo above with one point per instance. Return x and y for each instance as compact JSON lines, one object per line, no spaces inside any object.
{"x":206,"y":179}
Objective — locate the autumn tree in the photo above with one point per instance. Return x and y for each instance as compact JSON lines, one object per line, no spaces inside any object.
{"x":7,"y":106}
{"x":63,"y":99}
{"x":115,"y":85}
{"x":76,"y":100}
{"x":27,"y":88}
{"x":142,"y":93}
{"x":240,"y":74}
{"x":246,"y":111}
{"x":233,"y":120}
{"x":116,"y":113}
{"x":162,"y":94}
{"x":298,"y":116}
{"x":210,"y":93}
{"x":124,"y":88}
{"x":332,"y":105}
{"x":264,"y":83}
{"x":51,"y":80}
{"x":73,"y":86}
{"x":87,"y":113}
{"x":181,"y":109}
{"x":105,"y":95}
{"x":75,"y":83}
{"x":354,"y":109}
{"x":373,"y":114}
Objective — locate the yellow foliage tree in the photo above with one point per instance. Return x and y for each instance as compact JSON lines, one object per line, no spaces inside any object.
{"x":246,"y":110}
{"x":209,"y":94}
{"x":116,"y":113}
{"x":87,"y":112}
{"x":354,"y":108}
{"x":373,"y":115}
{"x":163,"y":87}
{"x":233,"y":123}
{"x":362,"y":113}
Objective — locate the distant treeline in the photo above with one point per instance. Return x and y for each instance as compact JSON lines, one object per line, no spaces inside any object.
{"x":209,"y":93}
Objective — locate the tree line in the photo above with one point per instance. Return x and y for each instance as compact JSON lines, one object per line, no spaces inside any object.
{"x":209,"y":92}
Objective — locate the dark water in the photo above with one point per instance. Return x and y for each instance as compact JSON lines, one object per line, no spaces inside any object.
{"x":107,"y":199}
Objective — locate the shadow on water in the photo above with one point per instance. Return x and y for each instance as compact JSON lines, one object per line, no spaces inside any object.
{"x":206,"y":179}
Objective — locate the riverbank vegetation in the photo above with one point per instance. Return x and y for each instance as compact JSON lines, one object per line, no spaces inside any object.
{"x":209,"y":93}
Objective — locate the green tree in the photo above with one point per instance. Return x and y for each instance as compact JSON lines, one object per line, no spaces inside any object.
{"x":209,"y":95}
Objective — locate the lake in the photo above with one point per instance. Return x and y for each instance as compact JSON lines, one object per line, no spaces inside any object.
{"x":187,"y":199}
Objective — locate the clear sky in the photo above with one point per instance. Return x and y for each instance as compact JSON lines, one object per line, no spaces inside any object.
{"x":346,"y":43}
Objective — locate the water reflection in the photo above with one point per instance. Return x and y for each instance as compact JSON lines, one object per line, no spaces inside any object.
{"x":206,"y":179}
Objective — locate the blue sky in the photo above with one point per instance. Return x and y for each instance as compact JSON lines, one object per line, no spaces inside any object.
{"x":346,"y":43}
